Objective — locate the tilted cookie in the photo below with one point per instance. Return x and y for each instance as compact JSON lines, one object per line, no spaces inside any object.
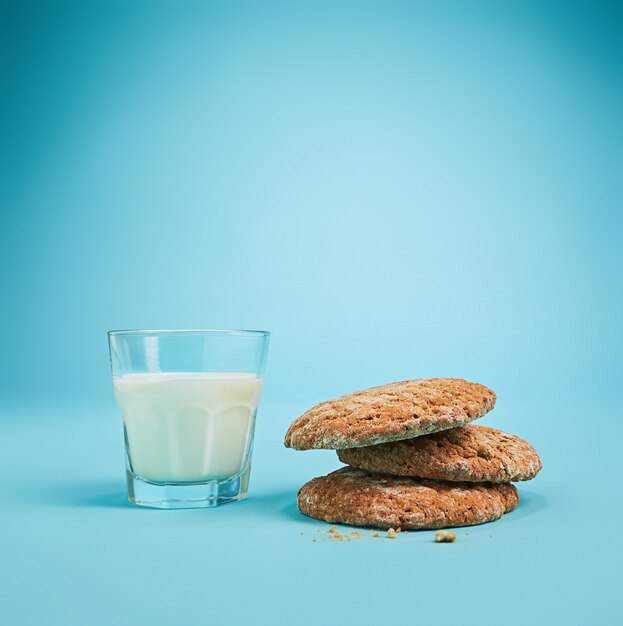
{"x":389,"y":413}
{"x":468,"y":453}
{"x":359,"y":498}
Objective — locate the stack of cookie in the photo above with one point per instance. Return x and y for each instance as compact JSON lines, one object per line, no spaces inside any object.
{"x":414,"y":461}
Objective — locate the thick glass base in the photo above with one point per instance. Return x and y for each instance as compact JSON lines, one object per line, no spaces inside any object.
{"x":187,"y":495}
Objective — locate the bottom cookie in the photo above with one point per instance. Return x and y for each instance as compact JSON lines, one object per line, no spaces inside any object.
{"x":359,"y":498}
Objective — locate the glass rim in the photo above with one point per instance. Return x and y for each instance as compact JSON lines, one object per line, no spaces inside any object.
{"x":191,"y":331}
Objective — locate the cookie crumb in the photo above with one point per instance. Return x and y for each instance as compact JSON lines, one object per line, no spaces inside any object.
{"x":391,"y":533}
{"x":445,"y":536}
{"x":333,"y":534}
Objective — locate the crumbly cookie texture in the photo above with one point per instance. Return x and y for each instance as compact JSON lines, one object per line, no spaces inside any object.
{"x":390,"y":413}
{"x":359,"y":498}
{"x":468,"y":453}
{"x":444,"y":536}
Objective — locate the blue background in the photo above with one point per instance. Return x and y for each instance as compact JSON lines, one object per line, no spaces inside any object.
{"x":395,"y":190}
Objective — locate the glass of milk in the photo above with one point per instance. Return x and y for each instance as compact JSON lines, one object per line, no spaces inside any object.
{"x":188,"y":399}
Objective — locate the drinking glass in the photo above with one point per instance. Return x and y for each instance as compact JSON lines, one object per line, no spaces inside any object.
{"x":188,"y":399}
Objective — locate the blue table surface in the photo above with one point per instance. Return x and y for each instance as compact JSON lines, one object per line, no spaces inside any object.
{"x":75,"y":552}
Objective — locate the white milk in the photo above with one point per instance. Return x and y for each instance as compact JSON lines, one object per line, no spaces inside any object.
{"x":188,"y":426}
